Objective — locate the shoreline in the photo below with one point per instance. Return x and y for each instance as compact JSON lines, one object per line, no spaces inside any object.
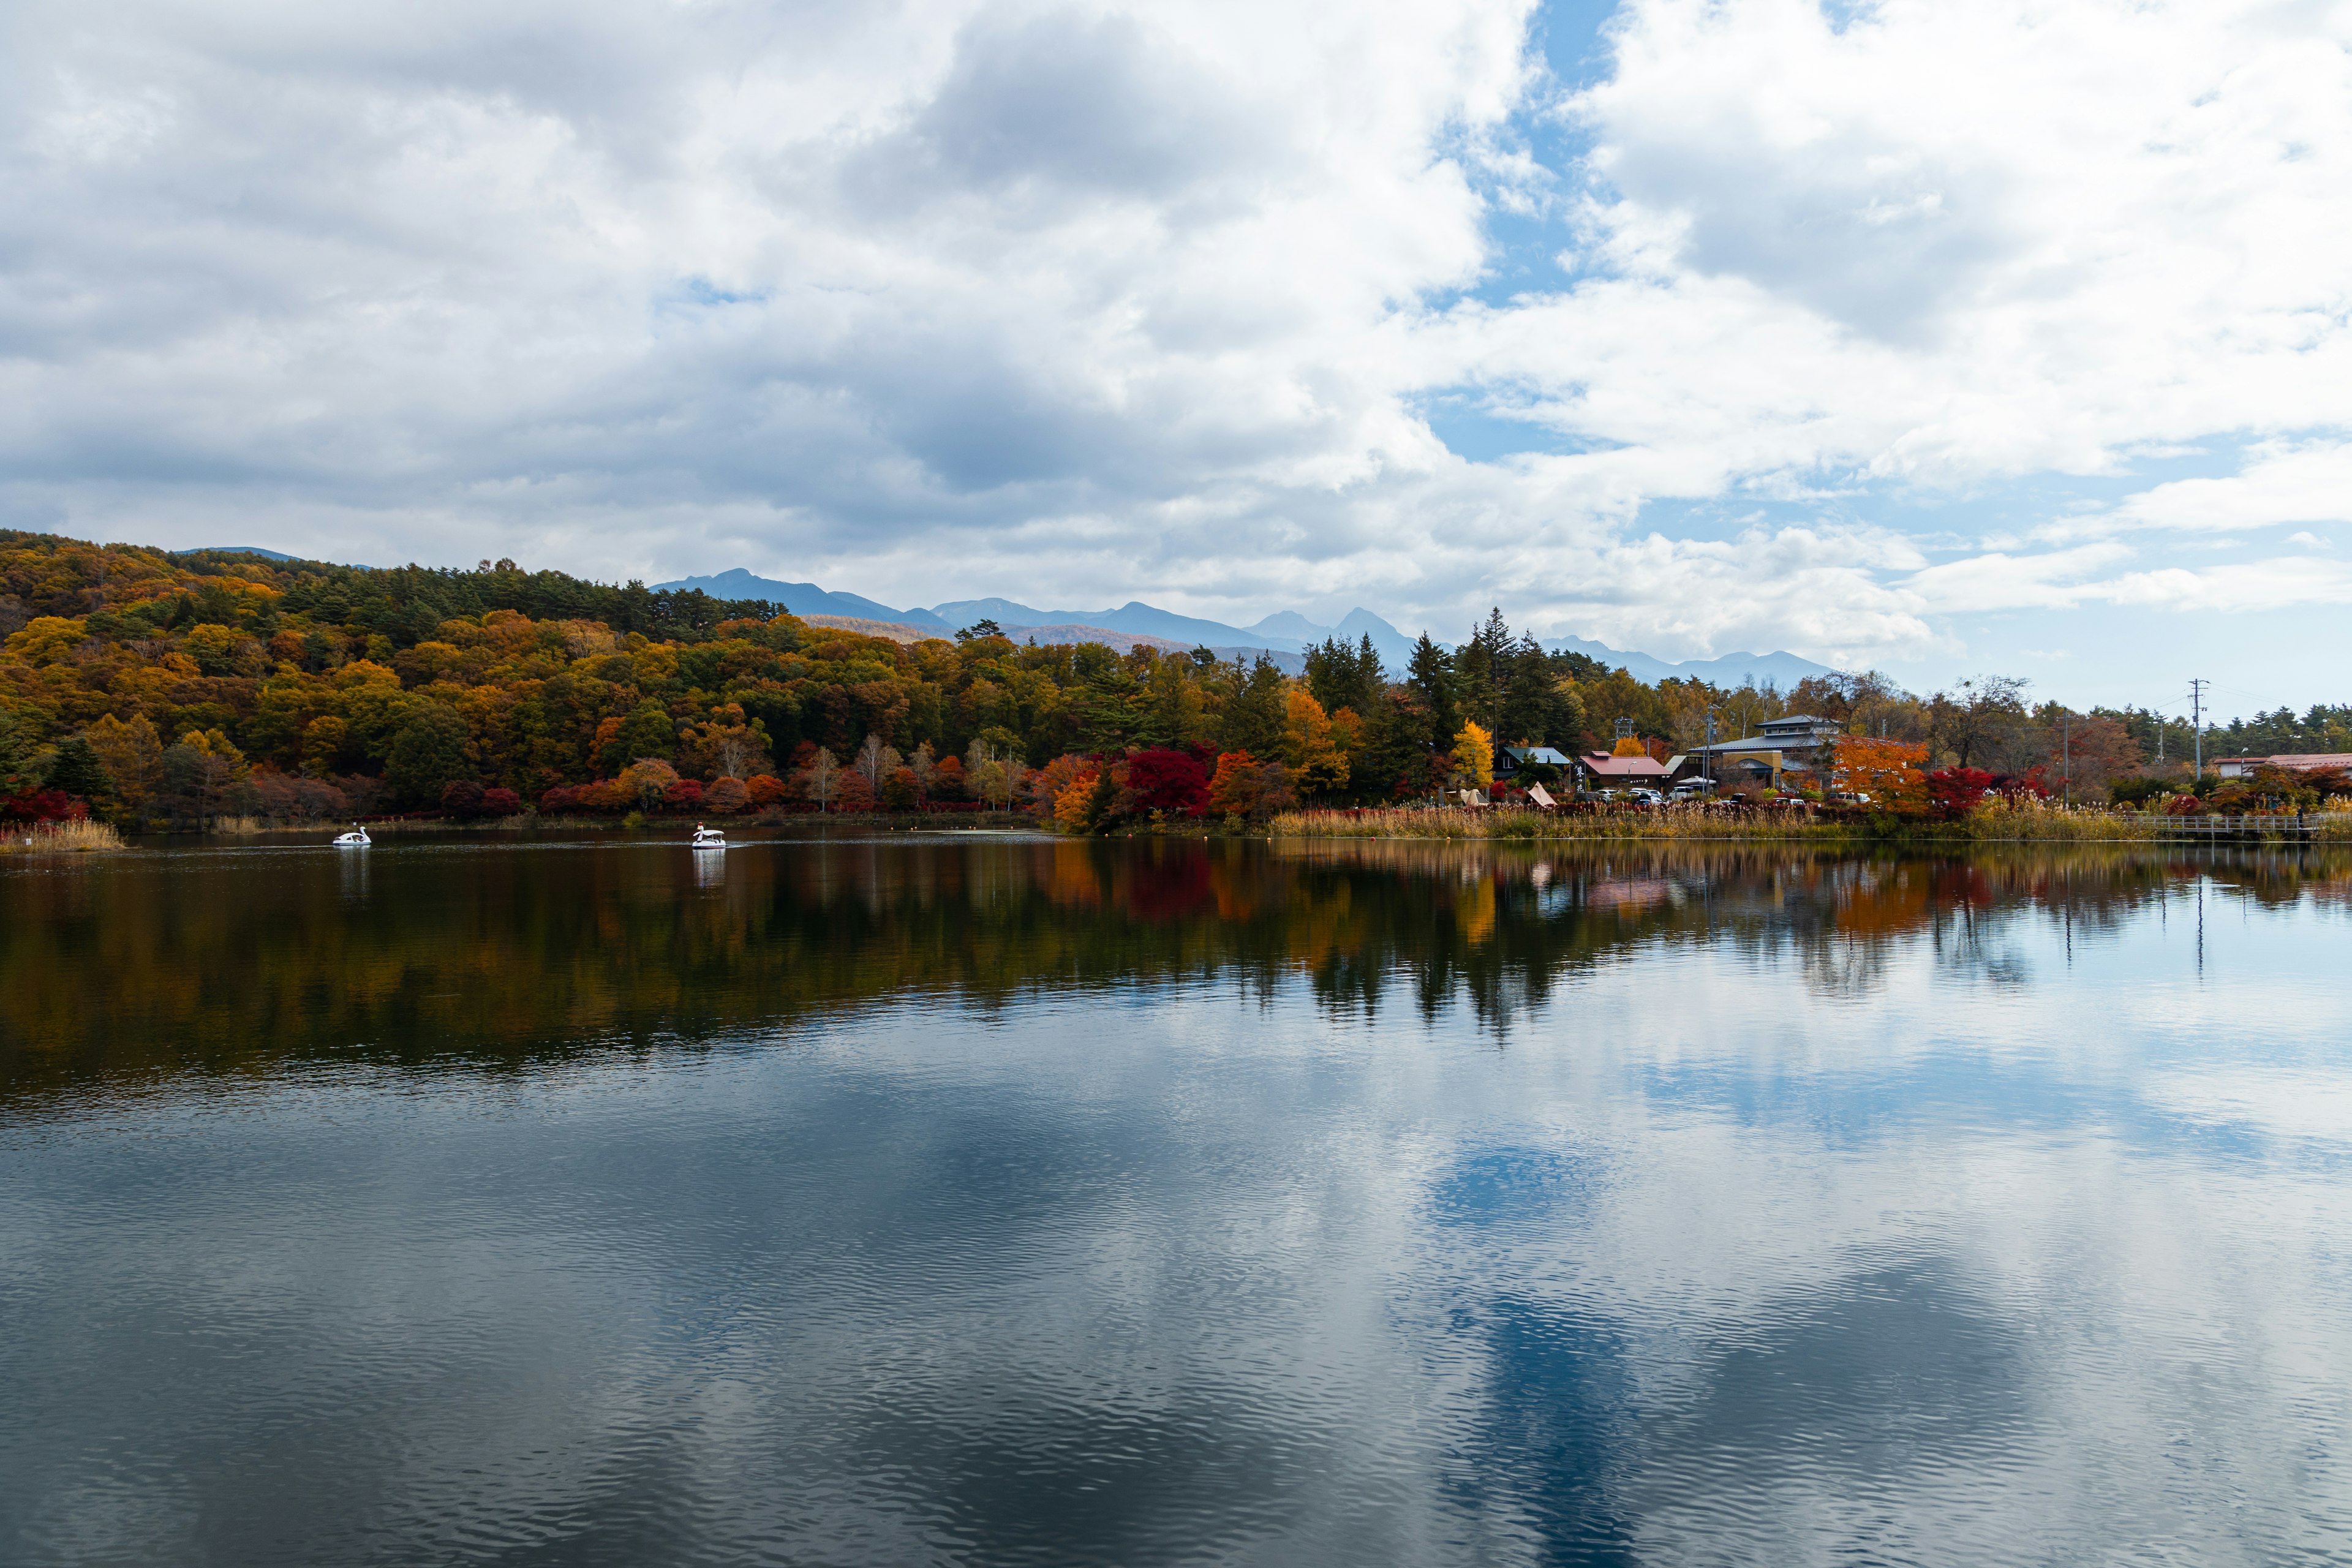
{"x":1999,"y":824}
{"x":1499,"y":824}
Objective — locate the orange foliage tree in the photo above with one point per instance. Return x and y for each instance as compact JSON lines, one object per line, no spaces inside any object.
{"x":1887,"y":772}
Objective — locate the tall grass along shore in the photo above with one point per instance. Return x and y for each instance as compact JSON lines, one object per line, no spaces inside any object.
{"x":1996,"y":821}
{"x":70,"y":837}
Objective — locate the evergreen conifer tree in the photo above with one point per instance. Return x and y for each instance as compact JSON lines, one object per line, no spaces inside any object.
{"x":1431,"y":676}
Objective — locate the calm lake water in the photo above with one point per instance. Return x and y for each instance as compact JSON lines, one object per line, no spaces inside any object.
{"x":974,"y":1199}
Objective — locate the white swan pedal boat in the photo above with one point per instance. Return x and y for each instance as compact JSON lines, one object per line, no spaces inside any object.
{"x":356,"y":839}
{"x":708,"y":837}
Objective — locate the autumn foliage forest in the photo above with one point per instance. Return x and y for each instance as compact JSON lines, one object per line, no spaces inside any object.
{"x":155,"y":688}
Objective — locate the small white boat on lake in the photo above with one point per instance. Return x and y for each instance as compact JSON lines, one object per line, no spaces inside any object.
{"x":356,"y":839}
{"x":708,"y":837}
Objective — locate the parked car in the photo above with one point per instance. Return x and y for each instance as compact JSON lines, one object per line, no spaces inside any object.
{"x":1692,"y":789}
{"x":1645,"y":797}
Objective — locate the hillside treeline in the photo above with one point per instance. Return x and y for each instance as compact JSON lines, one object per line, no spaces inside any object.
{"x":168,"y":687}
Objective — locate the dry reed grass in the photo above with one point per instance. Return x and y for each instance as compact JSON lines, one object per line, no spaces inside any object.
{"x":1995,"y":822}
{"x":1514,"y":823}
{"x":2039,"y":821}
{"x":61,"y":838}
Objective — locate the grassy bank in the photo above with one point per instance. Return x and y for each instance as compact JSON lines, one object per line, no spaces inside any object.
{"x":535,"y":822}
{"x":1518,"y":823}
{"x":1995,"y":822}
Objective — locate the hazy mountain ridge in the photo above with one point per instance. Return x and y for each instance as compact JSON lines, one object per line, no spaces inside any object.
{"x":1783,"y":668}
{"x":807,"y":599}
{"x":1286,"y":633}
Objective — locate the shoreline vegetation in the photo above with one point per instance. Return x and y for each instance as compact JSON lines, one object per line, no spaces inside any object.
{"x":71,"y":835}
{"x":1996,"y":821}
{"x":212,"y":690}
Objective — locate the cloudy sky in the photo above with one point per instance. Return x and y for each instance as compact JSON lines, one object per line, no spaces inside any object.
{"x":2007,"y":336}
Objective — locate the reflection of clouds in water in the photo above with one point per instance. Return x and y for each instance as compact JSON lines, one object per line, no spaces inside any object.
{"x":1875,"y":1412}
{"x":2000,"y":1354}
{"x":2274,"y":1104}
{"x":2010,"y":1316}
{"x":1121,"y":1275}
{"x":1706,"y":1261}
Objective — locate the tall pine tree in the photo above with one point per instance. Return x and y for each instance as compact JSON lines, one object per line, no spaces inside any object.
{"x":1429,"y":674}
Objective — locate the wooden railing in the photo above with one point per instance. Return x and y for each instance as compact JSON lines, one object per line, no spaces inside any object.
{"x":2284,"y":825}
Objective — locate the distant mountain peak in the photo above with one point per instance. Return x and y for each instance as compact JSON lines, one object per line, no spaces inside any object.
{"x":1783,"y":668}
{"x":804,"y":598}
{"x":1287,"y":633}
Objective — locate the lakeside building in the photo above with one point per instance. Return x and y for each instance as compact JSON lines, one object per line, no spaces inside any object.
{"x":1509,"y":760}
{"x":1797,"y":742}
{"x":1598,"y":770}
{"x":2305,"y":762}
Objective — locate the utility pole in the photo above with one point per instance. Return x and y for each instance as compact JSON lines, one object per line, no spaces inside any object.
{"x":1709,"y":769}
{"x":2197,"y":724}
{"x":2067,"y":752}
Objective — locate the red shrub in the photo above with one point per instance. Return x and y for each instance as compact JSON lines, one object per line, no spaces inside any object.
{"x":1172,"y":782}
{"x":1956,"y":791}
{"x":42,"y":805}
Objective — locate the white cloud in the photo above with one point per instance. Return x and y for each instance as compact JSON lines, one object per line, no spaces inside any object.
{"x":2241,"y":588}
{"x":1951,"y":244}
{"x":2056,"y":579}
{"x":1080,"y":302}
{"x":2281,"y":484}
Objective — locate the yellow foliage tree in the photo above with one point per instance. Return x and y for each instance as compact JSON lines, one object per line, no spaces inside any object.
{"x":131,"y":753}
{"x":46,"y":640}
{"x":1317,"y":759}
{"x":1473,"y":755}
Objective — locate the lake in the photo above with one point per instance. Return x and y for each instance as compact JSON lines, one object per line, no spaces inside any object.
{"x":994,"y":1200}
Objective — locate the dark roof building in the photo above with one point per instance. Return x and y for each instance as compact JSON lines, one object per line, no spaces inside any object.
{"x":1799,"y":732}
{"x":1509,"y":760}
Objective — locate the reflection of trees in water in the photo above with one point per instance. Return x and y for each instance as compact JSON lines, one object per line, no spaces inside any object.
{"x":145,"y":964}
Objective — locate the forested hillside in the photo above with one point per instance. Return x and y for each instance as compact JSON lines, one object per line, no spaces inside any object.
{"x":189,"y":678}
{"x":165,"y":687}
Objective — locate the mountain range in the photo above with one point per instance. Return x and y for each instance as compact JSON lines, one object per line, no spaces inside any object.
{"x":1286,"y":635}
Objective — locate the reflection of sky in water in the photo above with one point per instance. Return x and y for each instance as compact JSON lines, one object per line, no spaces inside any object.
{"x":2018,"y":1242}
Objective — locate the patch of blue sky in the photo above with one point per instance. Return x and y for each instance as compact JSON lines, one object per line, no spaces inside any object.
{"x":2096,"y":652}
{"x":1532,"y":242}
{"x":2002,"y":513}
{"x":1478,"y":425}
{"x":2006,"y":514}
{"x":699,"y":293}
{"x":1843,"y":14}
